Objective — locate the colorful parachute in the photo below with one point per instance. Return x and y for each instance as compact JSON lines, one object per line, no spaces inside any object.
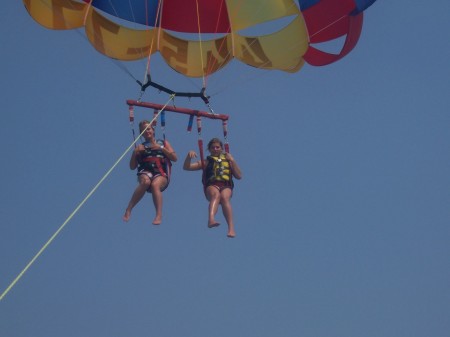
{"x":154,"y":24}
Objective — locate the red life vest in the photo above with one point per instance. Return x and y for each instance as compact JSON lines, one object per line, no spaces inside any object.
{"x":154,"y":161}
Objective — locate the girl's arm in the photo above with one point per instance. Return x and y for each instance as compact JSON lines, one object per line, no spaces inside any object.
{"x":134,"y":160}
{"x":235,"y":169}
{"x":188,"y":166}
{"x":169,"y":152}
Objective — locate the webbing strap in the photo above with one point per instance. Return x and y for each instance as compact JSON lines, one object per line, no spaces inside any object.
{"x":158,"y":162}
{"x":225,"y":135}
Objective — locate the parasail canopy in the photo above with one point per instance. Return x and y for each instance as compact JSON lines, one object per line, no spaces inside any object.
{"x":134,"y":29}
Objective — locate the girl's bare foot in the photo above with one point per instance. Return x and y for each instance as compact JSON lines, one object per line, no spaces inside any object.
{"x":212,"y":224}
{"x":157,"y":221}
{"x":126,"y":216}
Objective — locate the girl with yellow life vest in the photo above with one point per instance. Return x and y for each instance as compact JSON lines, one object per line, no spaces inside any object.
{"x":219,"y":169}
{"x":153,"y":161}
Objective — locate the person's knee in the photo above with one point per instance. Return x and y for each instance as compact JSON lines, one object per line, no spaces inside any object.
{"x":225,"y":198}
{"x":159,"y":184}
{"x":155,"y":188}
{"x":144,"y":180}
{"x":225,"y":202}
{"x":212,"y":195}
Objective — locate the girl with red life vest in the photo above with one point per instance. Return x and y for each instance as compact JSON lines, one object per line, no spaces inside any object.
{"x":153,"y":161}
{"x":218,"y":171}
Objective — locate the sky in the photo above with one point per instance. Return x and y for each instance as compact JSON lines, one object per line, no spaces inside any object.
{"x":342,"y":215}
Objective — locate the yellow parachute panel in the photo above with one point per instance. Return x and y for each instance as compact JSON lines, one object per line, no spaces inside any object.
{"x":185,"y":56}
{"x":249,"y":13}
{"x":57,"y":14}
{"x":119,"y":42}
{"x":282,"y":50}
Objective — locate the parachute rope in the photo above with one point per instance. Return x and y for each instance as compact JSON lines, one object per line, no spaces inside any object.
{"x":248,"y":71}
{"x":245,"y":77}
{"x":200,"y":44}
{"x":88,"y":7}
{"x":158,"y":18}
{"x":328,"y":26}
{"x":211,"y":64}
{"x":53,"y":237}
{"x":60,"y":16}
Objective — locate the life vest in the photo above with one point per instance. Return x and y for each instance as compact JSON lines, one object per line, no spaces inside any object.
{"x":154,"y":160}
{"x":218,"y":169}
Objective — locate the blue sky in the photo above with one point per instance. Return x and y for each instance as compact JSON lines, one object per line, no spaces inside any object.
{"x":342,"y":216}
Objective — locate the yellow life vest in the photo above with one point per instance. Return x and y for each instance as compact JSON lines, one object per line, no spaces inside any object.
{"x":218,"y":168}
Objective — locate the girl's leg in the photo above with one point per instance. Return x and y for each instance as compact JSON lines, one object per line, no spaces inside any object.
{"x":225,"y":201}
{"x":213,"y":195}
{"x":158,"y":184}
{"x":144,"y":184}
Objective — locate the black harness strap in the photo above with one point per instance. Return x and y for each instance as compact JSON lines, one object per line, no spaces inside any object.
{"x":155,"y":85}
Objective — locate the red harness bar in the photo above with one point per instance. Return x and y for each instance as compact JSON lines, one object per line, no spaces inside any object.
{"x":179,"y":110}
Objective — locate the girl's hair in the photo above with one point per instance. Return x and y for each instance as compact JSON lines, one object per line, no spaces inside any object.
{"x":214,"y":140}
{"x":142,"y":124}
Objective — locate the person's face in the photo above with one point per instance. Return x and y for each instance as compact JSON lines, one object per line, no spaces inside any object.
{"x":149,"y":133}
{"x":215,"y":149}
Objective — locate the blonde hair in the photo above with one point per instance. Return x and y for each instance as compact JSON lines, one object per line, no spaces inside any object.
{"x":142,"y":124}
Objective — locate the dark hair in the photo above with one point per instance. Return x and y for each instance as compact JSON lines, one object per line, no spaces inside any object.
{"x":214,"y":140}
